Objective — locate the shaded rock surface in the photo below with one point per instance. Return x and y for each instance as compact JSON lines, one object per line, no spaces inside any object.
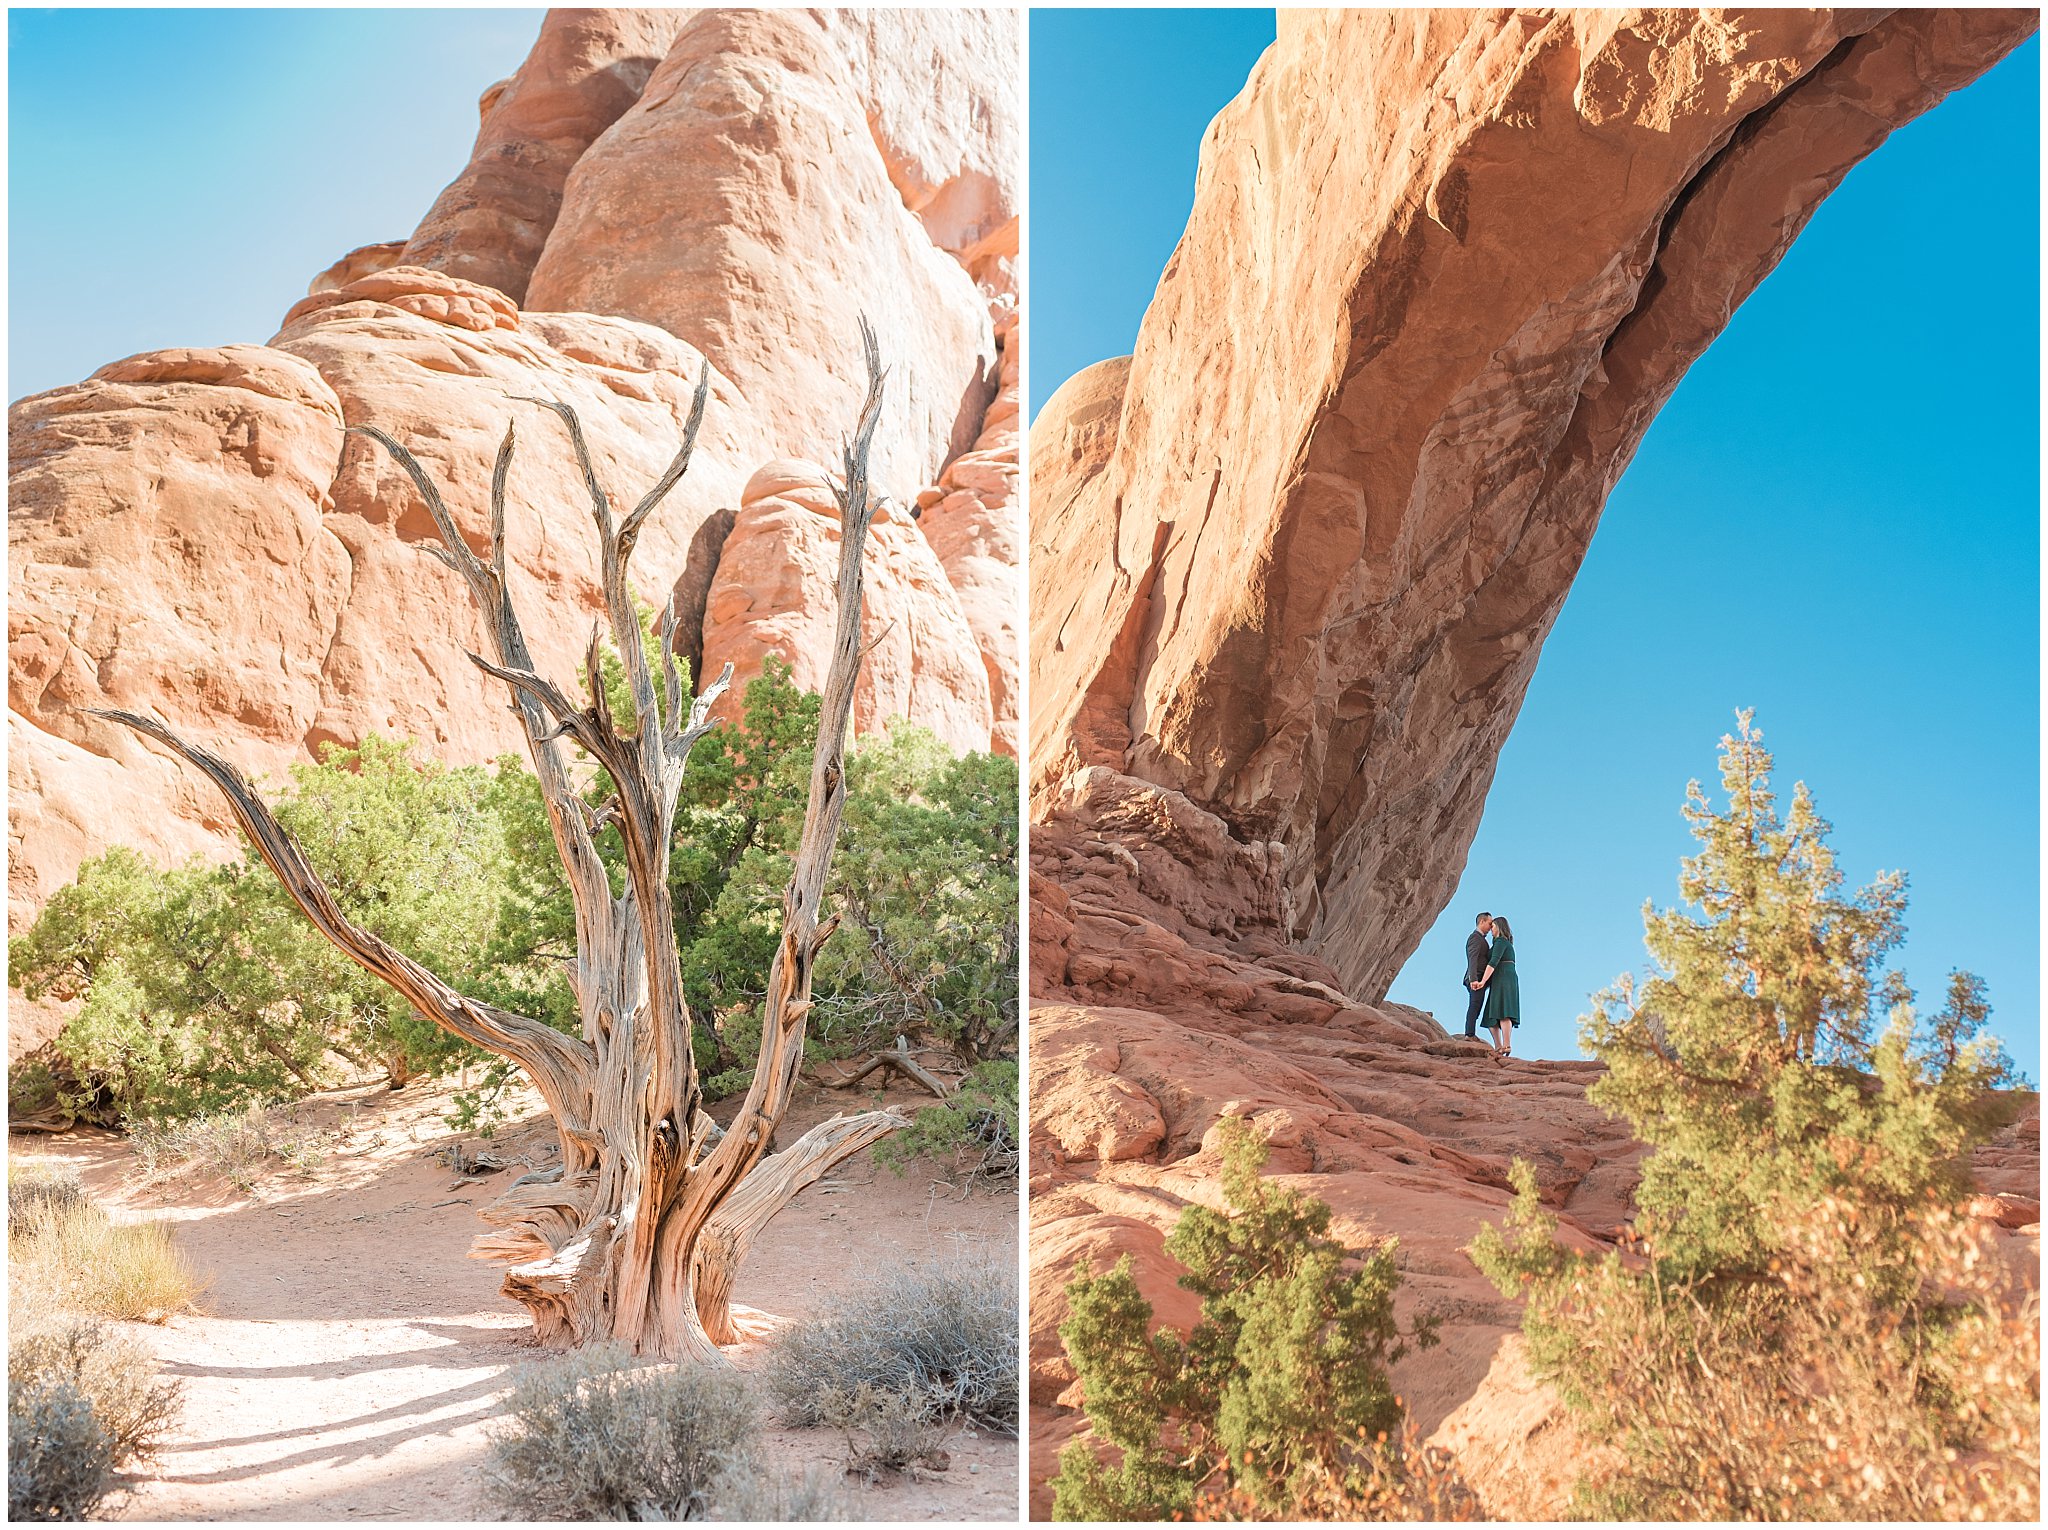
{"x":192,"y":533}
{"x":1292,"y":563}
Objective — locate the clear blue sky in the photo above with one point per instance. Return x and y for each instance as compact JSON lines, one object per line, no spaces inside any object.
{"x":1835,"y":521}
{"x":176,"y":177}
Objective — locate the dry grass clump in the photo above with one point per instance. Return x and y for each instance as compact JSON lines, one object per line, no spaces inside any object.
{"x":238,"y":1145}
{"x":66,"y":1252}
{"x":588,"y":1438}
{"x":1812,"y":1398}
{"x":944,"y":1337}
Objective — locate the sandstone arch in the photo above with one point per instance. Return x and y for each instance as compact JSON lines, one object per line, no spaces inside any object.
{"x":1442,"y":270}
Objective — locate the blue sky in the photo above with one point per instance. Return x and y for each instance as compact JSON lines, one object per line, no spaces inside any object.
{"x":177,"y":177}
{"x":1834,"y":521}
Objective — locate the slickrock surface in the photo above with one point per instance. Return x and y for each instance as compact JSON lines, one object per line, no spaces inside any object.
{"x":1292,"y":563}
{"x":586,"y":70}
{"x":192,"y":533}
{"x":1443,"y":268}
{"x":773,"y":593}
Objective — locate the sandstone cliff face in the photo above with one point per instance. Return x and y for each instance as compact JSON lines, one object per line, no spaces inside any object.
{"x":1443,"y":267}
{"x":1292,"y":563}
{"x":192,"y":533}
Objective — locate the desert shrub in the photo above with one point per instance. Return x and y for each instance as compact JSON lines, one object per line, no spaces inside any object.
{"x":60,"y":1461}
{"x":587,"y":1437}
{"x":115,"y":1375}
{"x":1414,"y":1483}
{"x":201,"y":990}
{"x":944,"y":1336}
{"x":926,"y":883}
{"x":978,"y":1128}
{"x":69,"y":1253}
{"x":238,"y":1145}
{"x":747,"y":1495}
{"x":1278,"y":1393}
{"x":1800,"y":1326}
{"x":35,"y":1194}
{"x":887,"y":1432}
{"x":1815,"y":1394}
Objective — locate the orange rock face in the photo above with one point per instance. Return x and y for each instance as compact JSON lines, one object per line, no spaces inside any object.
{"x":773,"y":593}
{"x":749,"y":145}
{"x":974,"y":521}
{"x":587,"y":68}
{"x":1292,"y":563}
{"x":191,"y":532}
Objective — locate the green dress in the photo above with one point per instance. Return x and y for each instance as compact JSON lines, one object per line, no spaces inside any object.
{"x":1504,"y":993}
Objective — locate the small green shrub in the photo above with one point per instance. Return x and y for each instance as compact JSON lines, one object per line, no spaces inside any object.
{"x":587,"y":1437}
{"x":1281,"y":1389}
{"x":60,"y":1461}
{"x":944,"y":1336}
{"x":978,"y":1127}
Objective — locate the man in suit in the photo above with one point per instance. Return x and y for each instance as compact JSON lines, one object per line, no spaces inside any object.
{"x":1475,"y":968}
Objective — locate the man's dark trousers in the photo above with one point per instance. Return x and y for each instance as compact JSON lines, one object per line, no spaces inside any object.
{"x":1476,"y":951}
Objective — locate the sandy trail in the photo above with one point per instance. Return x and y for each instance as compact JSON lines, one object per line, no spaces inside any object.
{"x":349,"y":1356}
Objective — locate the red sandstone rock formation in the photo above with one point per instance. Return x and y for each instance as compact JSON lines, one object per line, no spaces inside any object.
{"x":190,"y":531}
{"x":1291,"y":566}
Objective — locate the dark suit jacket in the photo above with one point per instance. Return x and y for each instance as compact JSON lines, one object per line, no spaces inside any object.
{"x":1475,"y":957}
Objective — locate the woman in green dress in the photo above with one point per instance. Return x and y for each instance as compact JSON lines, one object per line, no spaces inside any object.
{"x":1503,"y":990}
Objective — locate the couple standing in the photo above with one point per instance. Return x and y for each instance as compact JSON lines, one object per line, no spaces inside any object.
{"x":1493,"y":990}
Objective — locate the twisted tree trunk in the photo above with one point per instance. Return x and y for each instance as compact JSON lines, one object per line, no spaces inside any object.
{"x":638,"y":1236}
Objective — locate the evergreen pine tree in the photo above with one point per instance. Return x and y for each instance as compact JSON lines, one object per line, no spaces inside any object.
{"x":1282,"y":1384}
{"x":1809,"y":1150}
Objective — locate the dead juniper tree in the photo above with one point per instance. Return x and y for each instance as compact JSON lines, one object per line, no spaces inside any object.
{"x":638,"y":1236}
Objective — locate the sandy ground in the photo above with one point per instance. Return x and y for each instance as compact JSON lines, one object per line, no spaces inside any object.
{"x":349,"y":1357}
